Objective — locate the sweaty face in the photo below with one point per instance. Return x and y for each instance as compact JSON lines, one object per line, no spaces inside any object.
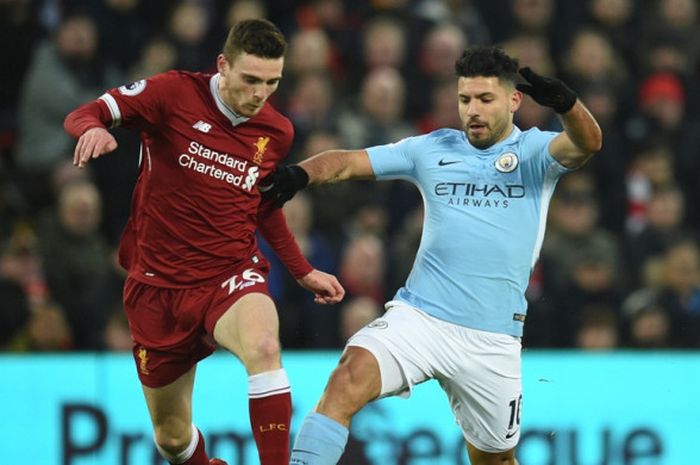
{"x":247,"y":82}
{"x":486,"y":108}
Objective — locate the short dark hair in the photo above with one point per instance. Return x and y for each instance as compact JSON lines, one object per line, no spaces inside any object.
{"x":258,"y":37}
{"x":487,"y":61}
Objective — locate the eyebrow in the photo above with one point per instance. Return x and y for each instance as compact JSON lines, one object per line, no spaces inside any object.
{"x":258,"y":78}
{"x":483,"y":94}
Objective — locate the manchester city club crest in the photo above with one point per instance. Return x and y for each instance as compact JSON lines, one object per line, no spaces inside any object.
{"x":506,"y":162}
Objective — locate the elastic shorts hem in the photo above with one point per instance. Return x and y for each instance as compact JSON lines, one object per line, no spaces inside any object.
{"x":387,"y":373}
{"x":479,"y":444}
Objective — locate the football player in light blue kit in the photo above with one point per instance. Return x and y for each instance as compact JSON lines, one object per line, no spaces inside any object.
{"x":460,"y":316}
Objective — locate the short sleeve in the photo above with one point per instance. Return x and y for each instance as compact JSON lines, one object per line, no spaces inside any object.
{"x":394,"y":160}
{"x":543,"y":139}
{"x":141,"y":104}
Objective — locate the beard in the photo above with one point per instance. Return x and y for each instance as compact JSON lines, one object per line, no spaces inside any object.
{"x":488,"y":136}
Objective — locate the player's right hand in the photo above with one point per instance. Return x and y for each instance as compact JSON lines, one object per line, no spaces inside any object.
{"x":326,"y":288}
{"x":281,"y":185}
{"x":93,"y":143}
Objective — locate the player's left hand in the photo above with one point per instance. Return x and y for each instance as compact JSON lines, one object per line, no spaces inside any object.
{"x":547,"y":91}
{"x":326,"y":288}
{"x":281,"y":185}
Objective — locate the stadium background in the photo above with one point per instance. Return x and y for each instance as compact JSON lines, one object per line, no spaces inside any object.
{"x":614,"y":318}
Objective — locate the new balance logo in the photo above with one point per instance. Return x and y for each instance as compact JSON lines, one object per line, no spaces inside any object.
{"x":202,"y":126}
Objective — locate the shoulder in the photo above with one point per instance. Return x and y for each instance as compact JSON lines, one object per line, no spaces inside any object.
{"x":535,"y":135}
{"x":444,"y":136}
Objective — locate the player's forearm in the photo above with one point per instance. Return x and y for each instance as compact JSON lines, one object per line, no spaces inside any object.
{"x":337,"y":165}
{"x":273,"y":227}
{"x":88,"y":116}
{"x":582,"y":128}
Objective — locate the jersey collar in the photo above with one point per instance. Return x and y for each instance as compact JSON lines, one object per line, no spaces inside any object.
{"x":235,"y":118}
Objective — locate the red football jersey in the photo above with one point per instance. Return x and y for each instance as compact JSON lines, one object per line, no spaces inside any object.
{"x":195,"y":204}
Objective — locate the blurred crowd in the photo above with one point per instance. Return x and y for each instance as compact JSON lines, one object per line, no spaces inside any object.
{"x":620,"y":265}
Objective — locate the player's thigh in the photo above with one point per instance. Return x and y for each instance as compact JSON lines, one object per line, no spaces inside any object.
{"x":486,"y":392}
{"x":354,"y":382}
{"x":480,"y":457}
{"x":250,"y":330}
{"x":404,"y":342}
{"x":170,"y":406}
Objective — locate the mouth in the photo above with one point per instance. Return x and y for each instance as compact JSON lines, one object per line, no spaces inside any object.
{"x":476,"y":128}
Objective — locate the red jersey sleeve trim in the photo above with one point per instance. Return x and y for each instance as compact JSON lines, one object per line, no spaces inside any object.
{"x":273,"y":227}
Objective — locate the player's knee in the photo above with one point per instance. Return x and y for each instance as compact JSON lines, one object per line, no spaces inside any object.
{"x":265,"y":350}
{"x":172,"y":440}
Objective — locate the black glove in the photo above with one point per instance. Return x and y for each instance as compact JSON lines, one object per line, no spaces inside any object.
{"x":281,"y":185}
{"x":549,"y":92}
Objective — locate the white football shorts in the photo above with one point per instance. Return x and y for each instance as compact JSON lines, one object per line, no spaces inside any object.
{"x":479,"y":371}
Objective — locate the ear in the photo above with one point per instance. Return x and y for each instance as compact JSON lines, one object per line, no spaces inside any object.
{"x":516,"y":98}
{"x":221,"y":63}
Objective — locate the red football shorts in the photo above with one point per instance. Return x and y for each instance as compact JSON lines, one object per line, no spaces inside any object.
{"x":172,"y":328}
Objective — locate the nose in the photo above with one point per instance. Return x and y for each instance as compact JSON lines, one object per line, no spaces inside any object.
{"x":473,"y":108}
{"x":261,"y":92}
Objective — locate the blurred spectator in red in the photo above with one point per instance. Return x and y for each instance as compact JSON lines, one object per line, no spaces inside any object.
{"x":662,"y":104}
{"x":650,"y":168}
{"x":29,"y":320}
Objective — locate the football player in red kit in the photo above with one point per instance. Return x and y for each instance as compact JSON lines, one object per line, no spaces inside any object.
{"x":195,"y":274}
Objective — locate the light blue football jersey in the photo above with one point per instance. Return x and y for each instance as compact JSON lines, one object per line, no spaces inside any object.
{"x":485,"y":215}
